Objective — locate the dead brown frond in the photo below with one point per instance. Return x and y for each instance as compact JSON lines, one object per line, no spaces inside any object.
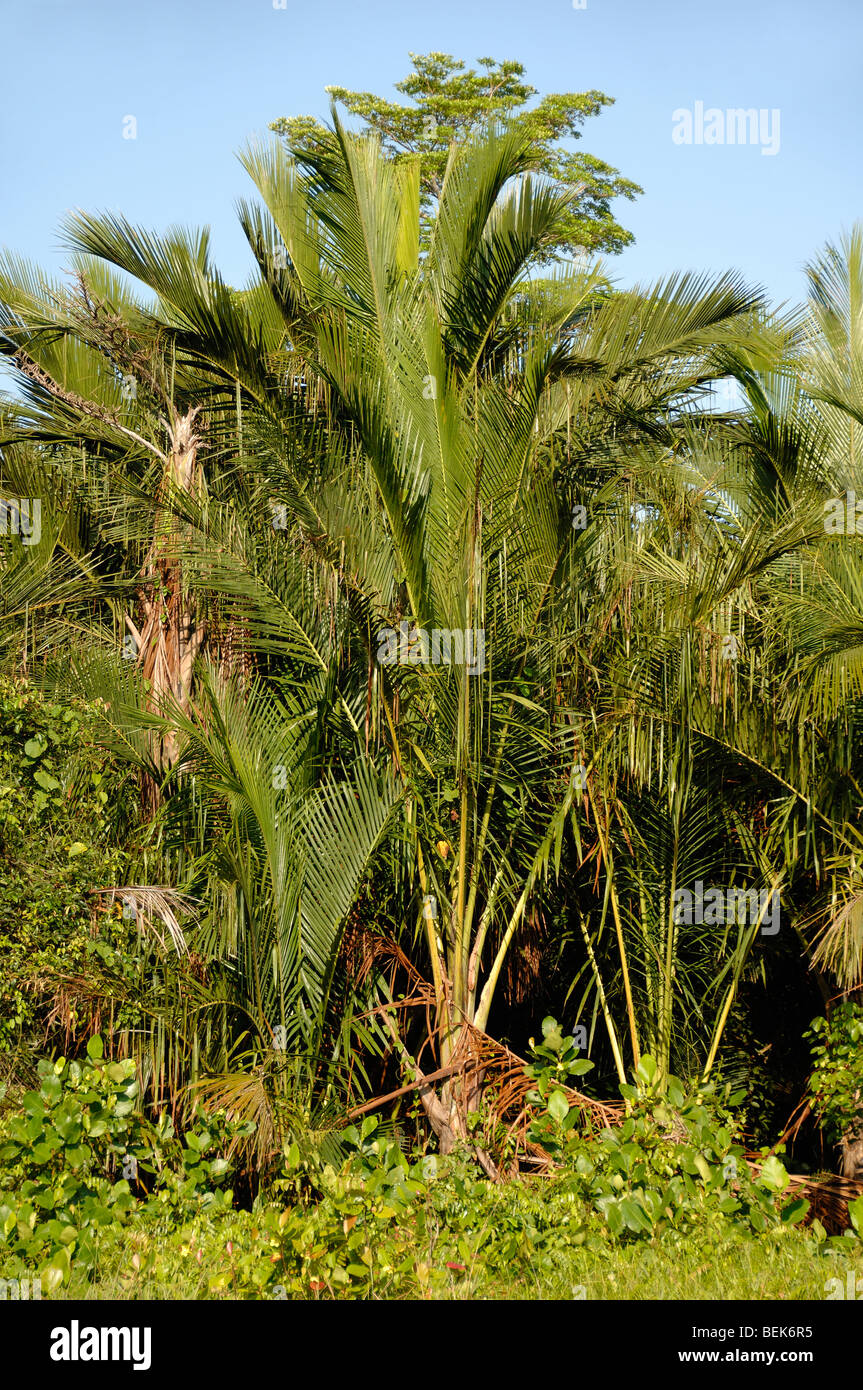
{"x":243,"y":1097}
{"x":839,"y":940}
{"x":481,"y":1073}
{"x":151,"y":906}
{"x":523,"y":968}
{"x":828,"y":1198}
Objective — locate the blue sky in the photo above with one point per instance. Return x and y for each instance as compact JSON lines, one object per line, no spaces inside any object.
{"x":201,"y":76}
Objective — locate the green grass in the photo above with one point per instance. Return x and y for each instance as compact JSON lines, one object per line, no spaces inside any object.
{"x":786,"y":1267}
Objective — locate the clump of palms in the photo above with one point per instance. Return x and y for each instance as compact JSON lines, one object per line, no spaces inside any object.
{"x":373,"y":438}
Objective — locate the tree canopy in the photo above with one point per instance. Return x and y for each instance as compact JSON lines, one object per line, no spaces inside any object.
{"x":450,"y":102}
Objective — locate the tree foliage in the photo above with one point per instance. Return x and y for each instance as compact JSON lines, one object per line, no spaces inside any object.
{"x":450,"y":103}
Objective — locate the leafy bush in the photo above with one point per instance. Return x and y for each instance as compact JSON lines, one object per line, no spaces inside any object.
{"x":86,"y":1179}
{"x":62,"y":1160}
{"x":673,"y":1164}
{"x":836,"y":1083}
{"x":58,"y":839}
{"x":57,"y":1194}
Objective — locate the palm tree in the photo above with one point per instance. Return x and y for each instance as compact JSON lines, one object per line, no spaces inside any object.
{"x":448,"y":377}
{"x":429,"y":426}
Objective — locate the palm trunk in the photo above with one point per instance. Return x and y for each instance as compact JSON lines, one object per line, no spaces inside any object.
{"x":171,"y":632}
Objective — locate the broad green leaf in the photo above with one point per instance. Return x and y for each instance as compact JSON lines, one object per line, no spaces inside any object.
{"x":647,"y":1070}
{"x":794,"y":1211}
{"x":551,"y":1034}
{"x":855,"y":1212}
{"x":773,"y":1175}
{"x":703,"y":1167}
{"x":558,"y":1106}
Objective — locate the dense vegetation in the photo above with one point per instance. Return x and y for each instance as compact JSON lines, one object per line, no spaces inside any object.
{"x":399,"y":654}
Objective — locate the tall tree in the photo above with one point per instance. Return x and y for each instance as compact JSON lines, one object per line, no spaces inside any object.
{"x":450,"y":103}
{"x":661,"y":630}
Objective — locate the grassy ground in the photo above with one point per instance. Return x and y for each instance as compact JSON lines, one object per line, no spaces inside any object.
{"x":764,"y":1268}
